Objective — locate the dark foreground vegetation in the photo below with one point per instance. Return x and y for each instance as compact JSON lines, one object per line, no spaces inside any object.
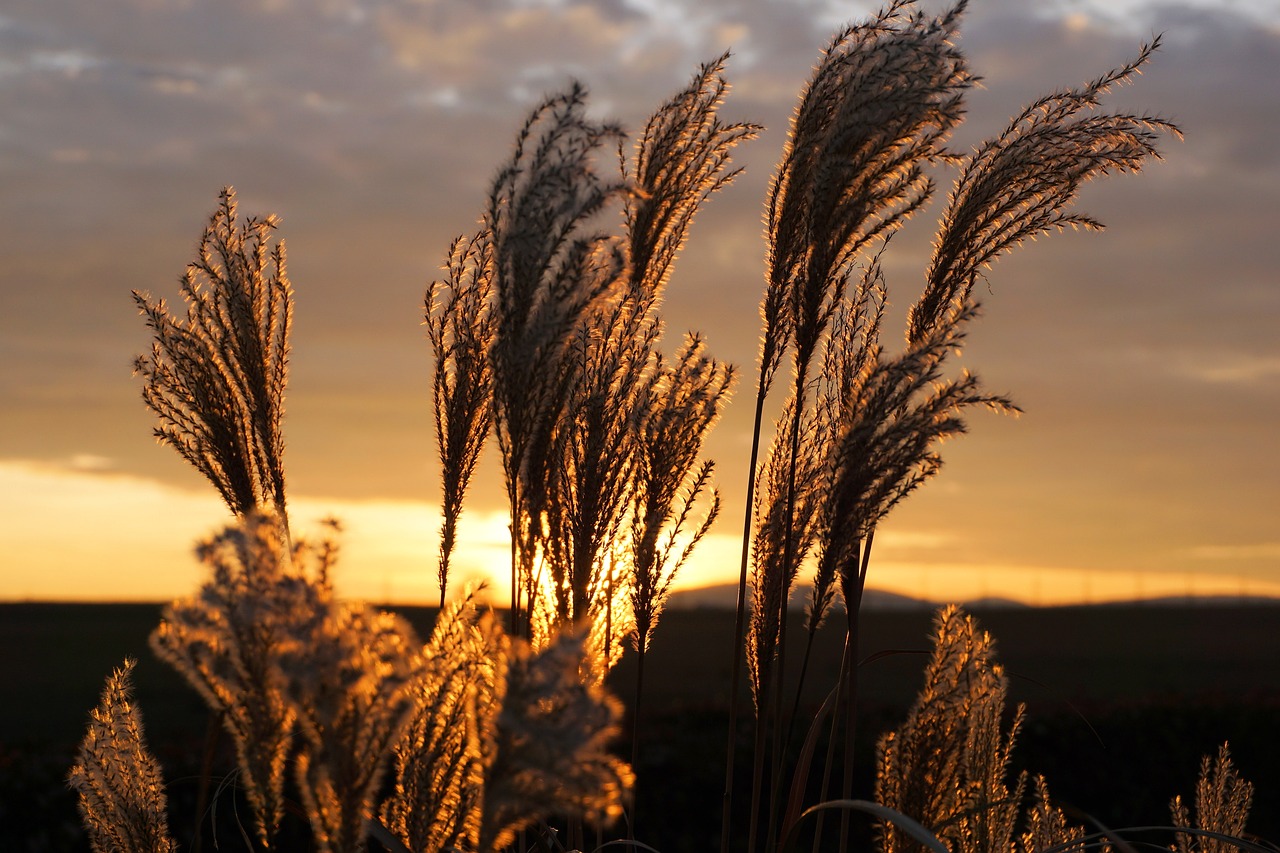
{"x":1122,"y":703}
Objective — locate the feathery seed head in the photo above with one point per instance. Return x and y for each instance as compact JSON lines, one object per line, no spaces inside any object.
{"x":216,"y":378}
{"x":117,"y":780}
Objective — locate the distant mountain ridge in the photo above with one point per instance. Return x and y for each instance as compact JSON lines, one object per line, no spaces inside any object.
{"x":725,"y":596}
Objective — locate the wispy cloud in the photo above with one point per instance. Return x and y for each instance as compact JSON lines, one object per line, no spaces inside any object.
{"x":1235,"y":370}
{"x":1214,"y":367}
{"x":1258,"y":551}
{"x":1137,"y":16}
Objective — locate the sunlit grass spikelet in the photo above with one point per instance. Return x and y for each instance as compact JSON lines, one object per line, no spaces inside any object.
{"x":1222,"y":803}
{"x":460,"y":328}
{"x":946,"y":766}
{"x":350,"y":681}
{"x":1045,"y":826}
{"x":225,"y":641}
{"x":216,"y":378}
{"x":551,"y":752}
{"x":117,"y":780}
{"x":1021,"y":183}
{"x":442,"y":756}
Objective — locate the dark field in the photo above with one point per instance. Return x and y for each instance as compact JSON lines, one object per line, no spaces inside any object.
{"x":1121,"y":704}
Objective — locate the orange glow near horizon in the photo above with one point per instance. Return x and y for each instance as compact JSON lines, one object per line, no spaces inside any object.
{"x":86,"y":535}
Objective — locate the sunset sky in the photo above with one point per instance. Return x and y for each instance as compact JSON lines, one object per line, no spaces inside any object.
{"x":1147,"y":357}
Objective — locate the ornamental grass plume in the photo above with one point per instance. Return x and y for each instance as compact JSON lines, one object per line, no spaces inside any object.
{"x":668,"y":520}
{"x":1222,"y":803}
{"x":611,"y":351}
{"x":117,"y":780}
{"x":351,"y":676}
{"x":882,"y":101}
{"x":442,"y":756}
{"x":1045,"y":827}
{"x":680,"y":160}
{"x":1020,"y":184}
{"x":875,"y":114}
{"x":460,"y":329}
{"x":575,"y":332}
{"x":674,"y":502}
{"x":874,"y":118}
{"x":225,"y":641}
{"x":947,"y":765}
{"x":550,"y":270}
{"x":271,"y":650}
{"x":216,"y":378}
{"x":550,"y":751}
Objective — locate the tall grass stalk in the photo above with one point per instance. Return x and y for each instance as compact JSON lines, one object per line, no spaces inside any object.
{"x":875,"y":116}
{"x":460,"y":329}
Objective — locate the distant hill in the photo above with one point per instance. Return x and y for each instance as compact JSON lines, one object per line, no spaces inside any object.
{"x":725,"y":596}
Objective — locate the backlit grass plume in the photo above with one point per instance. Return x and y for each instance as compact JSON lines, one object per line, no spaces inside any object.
{"x":226,"y":641}
{"x":460,"y":328}
{"x":885,"y":95}
{"x":502,"y":737}
{"x":863,"y":421}
{"x":271,"y":649}
{"x":216,"y":378}
{"x":680,"y":160}
{"x":487,"y":735}
{"x":550,"y":751}
{"x":1222,"y":802}
{"x":882,"y":101}
{"x":674,"y":500}
{"x":947,"y":765}
{"x":351,"y":676}
{"x":442,"y":757}
{"x":118,"y":782}
{"x":1021,"y":184}
{"x":550,"y":268}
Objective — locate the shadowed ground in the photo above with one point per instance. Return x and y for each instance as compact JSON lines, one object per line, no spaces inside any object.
{"x":1122,"y":703}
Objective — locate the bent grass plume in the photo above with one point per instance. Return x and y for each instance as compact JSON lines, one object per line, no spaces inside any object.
{"x":879,"y":107}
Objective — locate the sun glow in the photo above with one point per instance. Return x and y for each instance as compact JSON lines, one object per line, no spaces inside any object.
{"x":83,"y":532}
